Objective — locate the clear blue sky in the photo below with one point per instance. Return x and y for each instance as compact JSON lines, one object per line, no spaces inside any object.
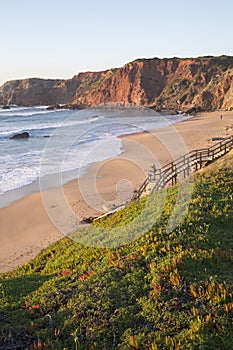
{"x":47,"y":38}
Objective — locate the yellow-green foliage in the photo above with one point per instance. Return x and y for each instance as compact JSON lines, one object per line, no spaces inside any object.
{"x":167,"y":290}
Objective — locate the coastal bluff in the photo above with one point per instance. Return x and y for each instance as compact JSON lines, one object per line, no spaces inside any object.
{"x":203,"y":83}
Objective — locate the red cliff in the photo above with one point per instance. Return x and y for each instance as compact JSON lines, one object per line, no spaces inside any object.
{"x":205,"y":83}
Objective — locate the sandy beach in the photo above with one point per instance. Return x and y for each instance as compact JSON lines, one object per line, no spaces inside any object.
{"x":32,"y":223}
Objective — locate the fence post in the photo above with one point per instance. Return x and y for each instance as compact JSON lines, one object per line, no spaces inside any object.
{"x":188,"y":166}
{"x":196,"y":161}
{"x":200,"y":160}
{"x":174,"y":174}
{"x":220,"y":146}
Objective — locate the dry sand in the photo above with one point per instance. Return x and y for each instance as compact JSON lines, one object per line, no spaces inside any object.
{"x":31,"y":224}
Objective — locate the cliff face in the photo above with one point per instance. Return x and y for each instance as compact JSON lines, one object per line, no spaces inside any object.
{"x":32,"y":92}
{"x":174,"y":83}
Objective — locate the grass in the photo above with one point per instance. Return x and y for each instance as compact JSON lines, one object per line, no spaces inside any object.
{"x":166,"y":290}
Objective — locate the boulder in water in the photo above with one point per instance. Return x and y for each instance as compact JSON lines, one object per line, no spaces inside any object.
{"x":54,"y":107}
{"x":23,"y":135}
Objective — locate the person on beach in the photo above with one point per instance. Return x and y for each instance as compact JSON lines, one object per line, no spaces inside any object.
{"x":153,"y":170}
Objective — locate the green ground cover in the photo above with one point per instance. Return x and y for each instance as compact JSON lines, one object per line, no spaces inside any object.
{"x":166,"y":290}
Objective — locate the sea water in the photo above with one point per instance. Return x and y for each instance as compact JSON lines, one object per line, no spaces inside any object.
{"x":65,"y":140}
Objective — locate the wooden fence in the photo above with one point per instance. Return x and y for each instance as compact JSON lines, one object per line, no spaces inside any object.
{"x":183,"y":166}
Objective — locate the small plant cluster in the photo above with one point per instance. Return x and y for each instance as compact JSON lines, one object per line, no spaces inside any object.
{"x":166,"y":290}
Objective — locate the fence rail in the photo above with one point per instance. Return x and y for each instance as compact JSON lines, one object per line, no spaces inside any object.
{"x":183,"y":167}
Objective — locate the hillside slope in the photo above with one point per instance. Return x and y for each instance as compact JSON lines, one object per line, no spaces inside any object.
{"x":204,"y":82}
{"x":167,"y":290}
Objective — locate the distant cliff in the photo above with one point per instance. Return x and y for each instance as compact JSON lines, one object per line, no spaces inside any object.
{"x":204,"y":83}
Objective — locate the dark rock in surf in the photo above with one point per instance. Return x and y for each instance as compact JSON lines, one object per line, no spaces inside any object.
{"x":23,"y":135}
{"x":54,"y":107}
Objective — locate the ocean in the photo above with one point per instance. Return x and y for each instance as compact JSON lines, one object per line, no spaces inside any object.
{"x":64,"y":141}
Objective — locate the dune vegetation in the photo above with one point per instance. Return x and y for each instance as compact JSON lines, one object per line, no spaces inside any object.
{"x":166,"y":290}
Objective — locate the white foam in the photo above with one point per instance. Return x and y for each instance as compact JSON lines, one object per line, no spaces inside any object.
{"x":17,"y":178}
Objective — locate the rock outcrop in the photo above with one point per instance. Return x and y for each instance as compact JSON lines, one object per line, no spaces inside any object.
{"x":202,"y":83}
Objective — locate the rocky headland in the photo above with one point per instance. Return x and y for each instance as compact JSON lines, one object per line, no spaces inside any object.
{"x":196,"y":84}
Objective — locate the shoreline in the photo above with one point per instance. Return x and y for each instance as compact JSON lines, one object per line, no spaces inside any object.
{"x":25,"y":226}
{"x":12,"y":196}
{"x":51,"y":181}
